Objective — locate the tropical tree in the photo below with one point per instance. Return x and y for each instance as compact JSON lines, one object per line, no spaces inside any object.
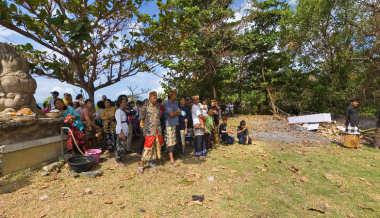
{"x":324,"y":41}
{"x":264,"y":63}
{"x":91,"y":44}
{"x":193,"y":39}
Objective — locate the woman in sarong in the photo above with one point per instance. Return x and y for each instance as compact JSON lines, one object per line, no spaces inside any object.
{"x":72,"y":121}
{"x":109,"y":125}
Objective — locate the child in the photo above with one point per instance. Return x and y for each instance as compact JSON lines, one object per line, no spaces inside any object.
{"x":242,"y":134}
{"x":210,"y":136}
{"x":226,"y":139}
{"x":204,"y":111}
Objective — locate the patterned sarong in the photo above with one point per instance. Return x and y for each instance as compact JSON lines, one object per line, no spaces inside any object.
{"x":170,"y":135}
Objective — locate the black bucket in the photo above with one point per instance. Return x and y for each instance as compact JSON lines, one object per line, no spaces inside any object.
{"x":81,"y":163}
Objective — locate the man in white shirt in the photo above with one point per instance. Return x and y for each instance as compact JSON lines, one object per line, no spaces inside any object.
{"x":199,"y":129}
{"x":51,"y":101}
{"x":121,"y":129}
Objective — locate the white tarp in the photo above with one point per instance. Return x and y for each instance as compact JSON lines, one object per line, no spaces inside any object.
{"x":311,"y":126}
{"x":341,"y":128}
{"x":314,"y":118}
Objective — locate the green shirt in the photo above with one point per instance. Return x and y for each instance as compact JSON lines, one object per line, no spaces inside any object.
{"x":209,"y":124}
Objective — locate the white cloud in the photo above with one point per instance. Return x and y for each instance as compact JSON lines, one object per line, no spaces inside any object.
{"x":241,"y":11}
{"x":4,"y":32}
{"x":293,"y":2}
{"x":7,"y":35}
{"x":46,"y":85}
{"x":159,"y":90}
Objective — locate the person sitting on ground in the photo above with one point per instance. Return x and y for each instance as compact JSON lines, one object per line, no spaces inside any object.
{"x":121,"y":129}
{"x":72,"y":119}
{"x":109,"y":125}
{"x":242,"y":134}
{"x":210,"y":130}
{"x":223,"y":131}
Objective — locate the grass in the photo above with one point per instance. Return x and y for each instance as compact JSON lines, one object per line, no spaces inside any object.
{"x":262,"y":180}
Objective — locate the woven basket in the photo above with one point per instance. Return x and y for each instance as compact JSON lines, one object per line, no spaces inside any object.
{"x":52,"y":115}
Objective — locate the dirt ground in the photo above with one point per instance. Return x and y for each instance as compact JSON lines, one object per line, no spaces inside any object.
{"x":271,"y":129}
{"x":286,"y":173}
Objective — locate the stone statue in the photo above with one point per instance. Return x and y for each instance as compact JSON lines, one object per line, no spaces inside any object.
{"x":17,"y":86}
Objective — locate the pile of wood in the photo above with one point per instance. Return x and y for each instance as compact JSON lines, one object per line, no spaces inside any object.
{"x":333,"y":131}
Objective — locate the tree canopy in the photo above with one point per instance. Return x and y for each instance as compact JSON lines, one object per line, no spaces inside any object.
{"x":94,"y":44}
{"x":272,"y":57}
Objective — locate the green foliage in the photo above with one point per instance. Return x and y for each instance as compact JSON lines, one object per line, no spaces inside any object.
{"x":311,"y":58}
{"x":308,"y":58}
{"x":93,"y":44}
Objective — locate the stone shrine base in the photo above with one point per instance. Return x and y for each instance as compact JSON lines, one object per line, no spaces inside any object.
{"x":28,"y":144}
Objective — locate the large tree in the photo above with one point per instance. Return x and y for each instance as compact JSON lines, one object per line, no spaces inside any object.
{"x":93,"y":44}
{"x":193,"y":39}
{"x":324,"y":41}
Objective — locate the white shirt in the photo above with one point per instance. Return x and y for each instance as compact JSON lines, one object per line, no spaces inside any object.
{"x":195,"y":113}
{"x":204,"y":110}
{"x":51,"y":102}
{"x":121,"y":122}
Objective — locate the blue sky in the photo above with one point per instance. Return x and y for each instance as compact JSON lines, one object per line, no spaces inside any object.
{"x":142,"y":80}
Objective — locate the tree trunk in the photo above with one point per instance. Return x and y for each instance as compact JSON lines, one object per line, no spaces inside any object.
{"x":214,"y":91}
{"x":272,"y":101}
{"x":91,"y":93}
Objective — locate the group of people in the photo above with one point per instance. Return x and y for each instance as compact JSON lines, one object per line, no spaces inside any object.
{"x":169,"y":126}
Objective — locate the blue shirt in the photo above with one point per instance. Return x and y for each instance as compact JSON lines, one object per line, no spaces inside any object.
{"x":77,"y":123}
{"x":171,"y":107}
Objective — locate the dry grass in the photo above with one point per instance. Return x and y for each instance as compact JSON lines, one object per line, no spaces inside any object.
{"x":262,"y":180}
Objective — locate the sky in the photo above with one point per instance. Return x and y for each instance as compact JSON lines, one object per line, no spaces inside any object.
{"x":144,"y":80}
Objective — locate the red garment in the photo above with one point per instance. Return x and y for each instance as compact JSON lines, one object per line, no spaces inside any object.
{"x":78,"y":135}
{"x":149,"y":140}
{"x":162,"y":109}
